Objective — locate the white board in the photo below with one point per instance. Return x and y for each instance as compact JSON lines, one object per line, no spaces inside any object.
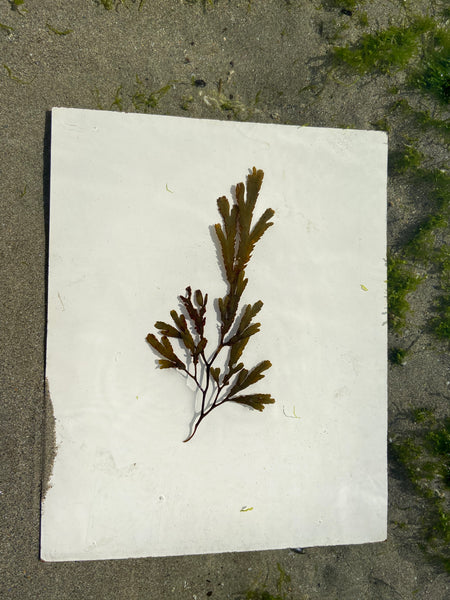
{"x":133,"y":199}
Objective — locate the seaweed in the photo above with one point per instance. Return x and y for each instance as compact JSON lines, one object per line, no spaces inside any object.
{"x":421,"y":245}
{"x":14,"y":78}
{"x":401,"y":281}
{"x":420,"y":118}
{"x":441,"y":324}
{"x":6,"y":28}
{"x":425,"y":456}
{"x":405,"y":159}
{"x":17,"y":6}
{"x":143,"y":100}
{"x":433,"y":75}
{"x":398,"y":356}
{"x":237,"y":239}
{"x":140,"y":100}
{"x":384,"y":50}
{"x":114,"y":4}
{"x":204,"y":2}
{"x":59,"y":31}
{"x":282,"y":582}
{"x":110,"y":4}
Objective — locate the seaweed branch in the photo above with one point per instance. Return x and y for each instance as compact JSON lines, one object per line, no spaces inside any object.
{"x":237,"y":238}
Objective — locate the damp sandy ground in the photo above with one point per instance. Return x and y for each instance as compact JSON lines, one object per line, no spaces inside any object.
{"x":265,"y":61}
